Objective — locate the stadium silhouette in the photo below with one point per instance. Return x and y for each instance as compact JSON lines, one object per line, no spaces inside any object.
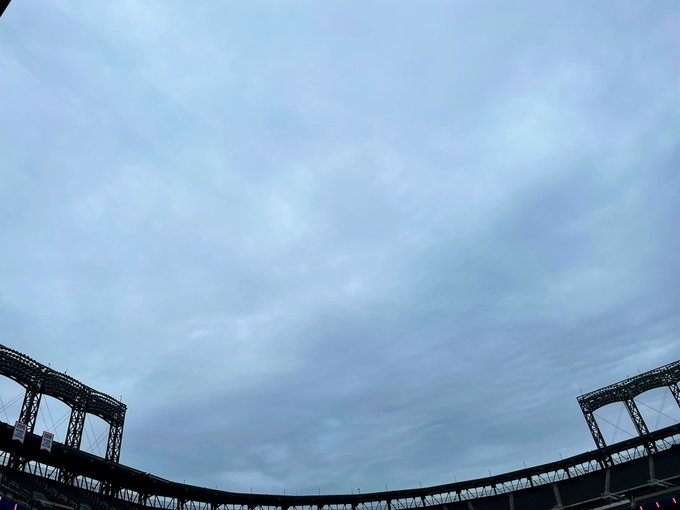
{"x":36,"y":472}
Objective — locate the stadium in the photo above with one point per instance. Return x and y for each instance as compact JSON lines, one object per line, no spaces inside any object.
{"x":322,"y":247}
{"x":642,"y":472}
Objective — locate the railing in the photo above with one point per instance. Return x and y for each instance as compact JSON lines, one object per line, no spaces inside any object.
{"x":134,"y":486}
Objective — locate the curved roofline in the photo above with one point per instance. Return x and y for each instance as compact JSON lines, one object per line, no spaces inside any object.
{"x":665,"y":375}
{"x":124,"y":477}
{"x":32,"y":374}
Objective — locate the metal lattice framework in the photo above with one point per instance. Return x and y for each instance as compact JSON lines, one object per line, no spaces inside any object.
{"x":625,"y":391}
{"x":560,"y":479}
{"x":39,"y":380}
{"x":552,"y":483}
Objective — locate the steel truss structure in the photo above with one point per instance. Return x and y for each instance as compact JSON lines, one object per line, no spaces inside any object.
{"x":625,"y":391}
{"x":39,"y":380}
{"x":562,"y":481}
{"x":609,"y":473}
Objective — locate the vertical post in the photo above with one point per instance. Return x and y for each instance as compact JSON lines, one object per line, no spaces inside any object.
{"x":114,"y":442}
{"x":115,"y":435}
{"x":27,"y":416}
{"x":594,"y":428}
{"x":29,"y":408}
{"x":639,"y":423}
{"x":558,"y":496}
{"x":74,"y":436}
{"x":676,"y":392}
{"x":76,"y":424}
{"x":595,"y":431}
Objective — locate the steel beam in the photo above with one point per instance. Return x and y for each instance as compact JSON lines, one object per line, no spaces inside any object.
{"x":114,"y":442}
{"x":625,"y":391}
{"x":28,"y":416}
{"x":29,"y":408}
{"x":40,"y":380}
{"x":76,"y":425}
{"x":633,"y":386}
{"x":163,"y":493}
{"x":74,"y":436}
{"x":596,"y":433}
{"x":639,"y":422}
{"x":594,"y":429}
{"x":31,"y":374}
{"x":676,"y":392}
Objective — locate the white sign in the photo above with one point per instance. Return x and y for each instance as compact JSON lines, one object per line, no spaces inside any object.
{"x":19,"y":432}
{"x":46,"y":443}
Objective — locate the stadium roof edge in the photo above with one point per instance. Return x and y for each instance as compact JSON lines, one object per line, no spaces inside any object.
{"x":94,"y":467}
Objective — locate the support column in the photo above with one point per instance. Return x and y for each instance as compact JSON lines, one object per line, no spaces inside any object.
{"x":558,"y":496}
{"x":114,"y":442}
{"x":594,"y":429}
{"x":27,"y":416}
{"x":76,"y":424}
{"x":639,"y":423}
{"x":74,"y":435}
{"x":595,"y":432}
{"x":676,"y":392}
{"x":29,"y":408}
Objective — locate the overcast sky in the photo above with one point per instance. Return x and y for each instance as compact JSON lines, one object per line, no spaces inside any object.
{"x":337,"y":245}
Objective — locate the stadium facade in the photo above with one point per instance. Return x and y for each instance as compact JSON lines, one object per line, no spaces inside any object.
{"x":36,"y":472}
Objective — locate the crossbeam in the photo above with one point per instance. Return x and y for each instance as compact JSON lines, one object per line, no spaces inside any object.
{"x":625,"y":391}
{"x":39,"y":380}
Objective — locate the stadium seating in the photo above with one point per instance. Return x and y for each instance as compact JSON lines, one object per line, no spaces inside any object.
{"x":43,"y":493}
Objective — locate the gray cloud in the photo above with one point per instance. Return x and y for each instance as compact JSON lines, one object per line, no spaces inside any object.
{"x":341,"y":246}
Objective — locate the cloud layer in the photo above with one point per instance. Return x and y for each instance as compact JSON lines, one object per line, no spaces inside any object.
{"x":333,"y":246}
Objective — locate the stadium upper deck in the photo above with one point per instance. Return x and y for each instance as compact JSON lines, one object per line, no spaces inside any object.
{"x":614,"y":476}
